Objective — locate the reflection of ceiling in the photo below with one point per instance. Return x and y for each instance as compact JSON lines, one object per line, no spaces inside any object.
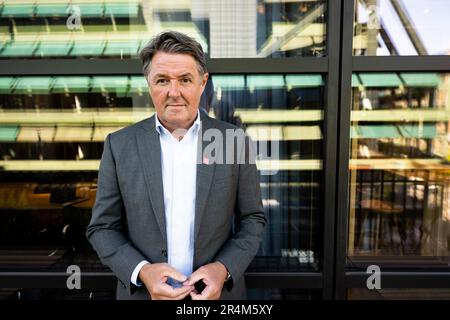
{"x":115,"y":37}
{"x":307,"y":36}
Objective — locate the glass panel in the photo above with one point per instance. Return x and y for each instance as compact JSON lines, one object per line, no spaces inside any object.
{"x":120,"y":28}
{"x":52,"y":131}
{"x":401,"y":28}
{"x":399,"y":171}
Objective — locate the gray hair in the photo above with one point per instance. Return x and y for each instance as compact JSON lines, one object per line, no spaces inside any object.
{"x":173,"y":42}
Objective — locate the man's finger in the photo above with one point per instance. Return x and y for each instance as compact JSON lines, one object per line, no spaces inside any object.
{"x":172,"y":273}
{"x":196,"y":276}
{"x":183,"y":295}
{"x":206,"y":293}
{"x":195,"y":295}
{"x":170,"y":292}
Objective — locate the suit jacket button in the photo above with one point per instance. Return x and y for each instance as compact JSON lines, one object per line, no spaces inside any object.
{"x":164,"y":252}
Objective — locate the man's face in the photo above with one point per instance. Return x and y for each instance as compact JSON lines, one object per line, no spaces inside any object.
{"x":175,"y":86}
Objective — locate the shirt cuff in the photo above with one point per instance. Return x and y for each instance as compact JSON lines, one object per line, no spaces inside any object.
{"x":135,"y":274}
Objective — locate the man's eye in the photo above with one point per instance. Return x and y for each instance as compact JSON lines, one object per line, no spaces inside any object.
{"x":185,"y":80}
{"x":161,"y":81}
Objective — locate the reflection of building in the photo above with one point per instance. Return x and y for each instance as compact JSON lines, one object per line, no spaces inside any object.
{"x":400,"y":153}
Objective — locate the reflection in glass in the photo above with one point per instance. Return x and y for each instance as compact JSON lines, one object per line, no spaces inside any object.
{"x":51,"y":138}
{"x":401,"y":28}
{"x":120,"y":28}
{"x":399,"y":169}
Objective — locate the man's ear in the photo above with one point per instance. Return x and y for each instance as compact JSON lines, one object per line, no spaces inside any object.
{"x":204,"y":80}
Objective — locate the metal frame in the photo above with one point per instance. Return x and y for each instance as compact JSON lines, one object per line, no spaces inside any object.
{"x":406,"y":63}
{"x":330,"y":146}
{"x":338,"y":66}
{"x":343,"y":146}
{"x":21,"y":67}
{"x":298,"y":280}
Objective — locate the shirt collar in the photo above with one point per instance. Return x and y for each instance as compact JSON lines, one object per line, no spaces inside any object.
{"x":161,"y":129}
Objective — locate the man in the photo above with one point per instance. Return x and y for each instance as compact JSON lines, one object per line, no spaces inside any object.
{"x":169,"y":221}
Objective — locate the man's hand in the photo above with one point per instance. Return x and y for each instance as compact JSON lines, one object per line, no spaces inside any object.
{"x":155,"y":275}
{"x":213,"y":276}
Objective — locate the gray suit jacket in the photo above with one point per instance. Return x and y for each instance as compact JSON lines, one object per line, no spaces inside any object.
{"x":128,"y":219}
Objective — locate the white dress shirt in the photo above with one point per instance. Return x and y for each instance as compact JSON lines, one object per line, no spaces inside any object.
{"x":179,"y":173}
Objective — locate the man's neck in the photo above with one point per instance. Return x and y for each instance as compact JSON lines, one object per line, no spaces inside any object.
{"x":178,"y":131}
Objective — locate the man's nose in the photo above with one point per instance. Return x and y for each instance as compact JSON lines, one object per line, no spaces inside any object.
{"x":174,"y":89}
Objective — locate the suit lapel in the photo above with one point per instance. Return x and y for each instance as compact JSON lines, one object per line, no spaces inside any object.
{"x":205,"y":174}
{"x":149,"y":149}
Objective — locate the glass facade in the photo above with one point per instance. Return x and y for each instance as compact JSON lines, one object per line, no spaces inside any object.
{"x":119,"y":28}
{"x":401,"y":28}
{"x":52,"y":133}
{"x":399,"y":166}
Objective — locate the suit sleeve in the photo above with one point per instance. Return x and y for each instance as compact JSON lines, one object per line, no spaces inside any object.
{"x":249,"y":219}
{"x":106,"y":229}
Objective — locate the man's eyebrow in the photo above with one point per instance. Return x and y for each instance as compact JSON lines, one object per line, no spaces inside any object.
{"x":163,"y":75}
{"x":160,"y":75}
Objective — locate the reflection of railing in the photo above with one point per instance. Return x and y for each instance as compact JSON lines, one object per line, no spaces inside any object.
{"x":278,"y":43}
{"x":129,"y":116}
{"x":93,"y":165}
{"x":98,"y":133}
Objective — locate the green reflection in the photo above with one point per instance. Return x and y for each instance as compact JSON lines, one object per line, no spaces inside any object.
{"x":228,"y":82}
{"x":33,"y":84}
{"x":8,"y":134}
{"x":54,"y":49}
{"x":427,"y":131}
{"x":265,"y":81}
{"x":380,"y":80}
{"x":51,"y":10}
{"x":421,"y":79}
{"x":71,"y":84}
{"x":303,"y":81}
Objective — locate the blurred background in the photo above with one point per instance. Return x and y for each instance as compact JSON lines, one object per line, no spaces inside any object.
{"x":355,"y":93}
